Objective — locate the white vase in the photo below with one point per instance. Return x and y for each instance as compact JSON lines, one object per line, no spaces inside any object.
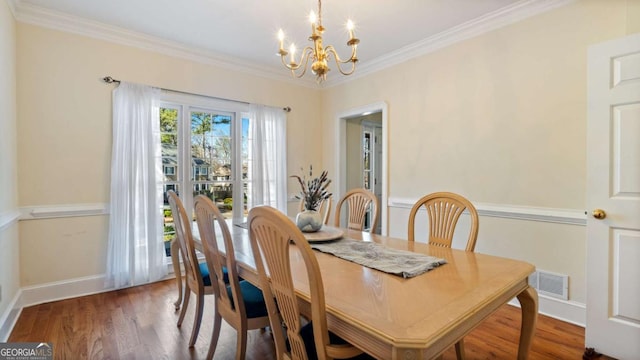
{"x":309,"y":221}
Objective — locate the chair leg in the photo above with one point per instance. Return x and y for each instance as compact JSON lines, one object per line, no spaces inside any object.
{"x":241,"y":346}
{"x":197,"y":320}
{"x":460,"y":350}
{"x":217,"y":321}
{"x":185,"y":305}
{"x":175,"y":258}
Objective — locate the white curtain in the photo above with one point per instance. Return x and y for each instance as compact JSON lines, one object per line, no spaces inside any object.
{"x":267,"y":157}
{"x":136,"y":251}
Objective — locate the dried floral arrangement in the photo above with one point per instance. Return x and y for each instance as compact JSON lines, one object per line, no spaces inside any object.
{"x":314,"y":190}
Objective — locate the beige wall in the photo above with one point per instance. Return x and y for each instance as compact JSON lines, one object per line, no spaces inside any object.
{"x":499,"y":118}
{"x":8,"y":196}
{"x":64,"y":133}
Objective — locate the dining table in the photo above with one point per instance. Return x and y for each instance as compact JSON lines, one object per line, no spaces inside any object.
{"x":392,"y":317}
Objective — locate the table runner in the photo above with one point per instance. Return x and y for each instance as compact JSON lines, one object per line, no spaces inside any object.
{"x":373,"y":255}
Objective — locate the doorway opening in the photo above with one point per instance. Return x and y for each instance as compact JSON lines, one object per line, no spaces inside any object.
{"x":362,"y":154}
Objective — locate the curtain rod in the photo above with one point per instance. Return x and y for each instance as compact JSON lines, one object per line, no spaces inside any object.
{"x":109,"y":80}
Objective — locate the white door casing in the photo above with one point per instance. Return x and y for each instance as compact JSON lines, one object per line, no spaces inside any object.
{"x":613,"y":185}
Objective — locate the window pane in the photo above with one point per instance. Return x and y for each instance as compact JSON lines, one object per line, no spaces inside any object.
{"x":169,"y":142}
{"x":169,"y":127}
{"x":244,"y":212}
{"x":210,"y":146}
{"x":221,"y":193}
{"x":168,"y":120}
{"x":169,"y":228}
{"x":245,"y":208}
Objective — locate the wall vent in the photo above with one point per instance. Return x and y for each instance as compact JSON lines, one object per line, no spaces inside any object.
{"x":550,"y":284}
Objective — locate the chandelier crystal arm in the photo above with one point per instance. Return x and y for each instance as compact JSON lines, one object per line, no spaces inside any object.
{"x":352,"y":59}
{"x":307,"y":52}
{"x":292,"y":65}
{"x":336,"y":58}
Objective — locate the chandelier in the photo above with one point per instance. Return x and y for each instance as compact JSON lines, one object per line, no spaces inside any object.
{"x":318,"y":54}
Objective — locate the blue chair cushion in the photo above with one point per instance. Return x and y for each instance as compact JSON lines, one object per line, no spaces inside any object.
{"x":253,"y":300}
{"x":310,"y":345}
{"x":204,"y":271}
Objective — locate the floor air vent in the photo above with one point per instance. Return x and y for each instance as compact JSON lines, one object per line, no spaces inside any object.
{"x":550,"y":284}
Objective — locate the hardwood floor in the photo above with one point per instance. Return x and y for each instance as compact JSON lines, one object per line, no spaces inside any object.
{"x":140,"y":323}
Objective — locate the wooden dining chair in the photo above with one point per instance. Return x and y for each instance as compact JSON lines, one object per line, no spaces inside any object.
{"x":238,"y":302}
{"x":325,"y":209}
{"x":358,"y":201}
{"x":271,"y":233}
{"x":443,"y":211}
{"x":197,"y":277}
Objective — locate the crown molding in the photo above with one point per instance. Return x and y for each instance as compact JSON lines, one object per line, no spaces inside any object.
{"x":39,"y":16}
{"x":478,"y":26}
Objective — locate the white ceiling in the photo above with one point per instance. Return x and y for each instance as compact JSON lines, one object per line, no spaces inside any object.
{"x":245,"y":30}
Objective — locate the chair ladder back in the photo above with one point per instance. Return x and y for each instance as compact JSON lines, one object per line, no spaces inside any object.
{"x":443,"y":212}
{"x":358,"y":206}
{"x":325,"y":210}
{"x":208,"y":215}
{"x":358,"y":202}
{"x":185,"y":239}
{"x":271,"y":233}
{"x":444,"y":216}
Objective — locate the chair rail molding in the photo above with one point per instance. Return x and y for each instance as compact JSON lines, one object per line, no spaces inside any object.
{"x":8,"y":218}
{"x":62,"y":210}
{"x":553,"y":215}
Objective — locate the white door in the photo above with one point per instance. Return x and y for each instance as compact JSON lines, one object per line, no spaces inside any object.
{"x":613,"y":185}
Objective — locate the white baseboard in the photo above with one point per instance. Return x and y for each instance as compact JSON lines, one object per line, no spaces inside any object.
{"x":67,"y":289}
{"x":10,"y":317}
{"x":61,"y":290}
{"x":54,"y":291}
{"x":568,"y":311}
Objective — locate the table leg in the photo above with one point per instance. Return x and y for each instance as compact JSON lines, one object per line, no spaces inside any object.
{"x":529,"y":305}
{"x":175,"y":259}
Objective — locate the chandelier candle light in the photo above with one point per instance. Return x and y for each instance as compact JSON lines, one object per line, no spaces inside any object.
{"x":318,"y":54}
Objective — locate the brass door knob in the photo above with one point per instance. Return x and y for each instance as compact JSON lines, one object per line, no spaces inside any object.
{"x":599,"y":214}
